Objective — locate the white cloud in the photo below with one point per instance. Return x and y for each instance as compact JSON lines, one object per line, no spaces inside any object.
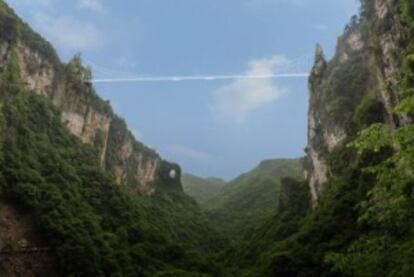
{"x":92,"y":5}
{"x":187,"y":152}
{"x":236,"y":101}
{"x":69,"y":31}
{"x":66,"y":30}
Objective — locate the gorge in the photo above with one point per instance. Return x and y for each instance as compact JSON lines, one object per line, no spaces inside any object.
{"x":81,"y":196}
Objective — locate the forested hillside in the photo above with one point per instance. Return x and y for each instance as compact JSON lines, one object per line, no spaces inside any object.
{"x":79,"y":196}
{"x":93,"y":226}
{"x":360,"y":158}
{"x":202,"y":189}
{"x":251,"y":196}
{"x":82,"y":111}
{"x":88,"y":223}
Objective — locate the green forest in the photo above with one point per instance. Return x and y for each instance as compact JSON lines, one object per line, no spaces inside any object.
{"x":262,"y":223}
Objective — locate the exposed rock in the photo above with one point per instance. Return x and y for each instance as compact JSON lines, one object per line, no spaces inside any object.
{"x":390,"y":40}
{"x":37,"y":72}
{"x":75,"y":122}
{"x":334,"y":138}
{"x":145,"y":172}
{"x":87,"y":116}
{"x":371,"y":45}
{"x":317,"y":174}
{"x":350,"y":42}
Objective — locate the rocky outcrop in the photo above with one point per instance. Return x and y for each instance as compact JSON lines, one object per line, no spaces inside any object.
{"x":317,"y":174}
{"x":124,"y":152}
{"x":367,"y":59}
{"x":87,"y":116}
{"x":391,"y":39}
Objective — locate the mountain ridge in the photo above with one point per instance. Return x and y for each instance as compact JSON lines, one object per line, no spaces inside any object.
{"x":201,"y":189}
{"x":70,"y":165}
{"x":86,"y":115}
{"x":250,"y":196}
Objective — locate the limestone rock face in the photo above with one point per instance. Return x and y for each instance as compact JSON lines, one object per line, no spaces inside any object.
{"x":367,"y":59}
{"x":391,"y":38}
{"x":318,"y":171}
{"x":88,"y":117}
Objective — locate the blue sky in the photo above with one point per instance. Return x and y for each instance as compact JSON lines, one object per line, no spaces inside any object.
{"x":211,"y":128}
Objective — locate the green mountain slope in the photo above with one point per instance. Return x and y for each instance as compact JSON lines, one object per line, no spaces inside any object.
{"x":85,"y":114}
{"x":360,"y":160}
{"x":93,"y":226}
{"x":352,"y":217}
{"x":90,"y":224}
{"x":251,"y":196}
{"x":247,"y":255}
{"x":201,"y":189}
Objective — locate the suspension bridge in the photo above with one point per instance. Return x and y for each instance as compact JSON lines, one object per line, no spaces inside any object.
{"x":198,"y":78}
{"x":296,"y":68}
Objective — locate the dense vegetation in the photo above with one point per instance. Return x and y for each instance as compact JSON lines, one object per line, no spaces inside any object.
{"x":12,"y":28}
{"x":251,"y":196}
{"x":363,"y":225}
{"x":386,"y":248}
{"x":263,"y":222}
{"x":94,"y":227}
{"x":252,"y":253}
{"x":202,"y":189}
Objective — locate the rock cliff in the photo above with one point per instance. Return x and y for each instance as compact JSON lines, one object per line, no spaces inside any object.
{"x":367,"y":62}
{"x":86,"y":115}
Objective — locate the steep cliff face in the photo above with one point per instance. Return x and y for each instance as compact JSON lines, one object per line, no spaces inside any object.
{"x":86,"y":115}
{"x":367,"y":62}
{"x":360,"y":160}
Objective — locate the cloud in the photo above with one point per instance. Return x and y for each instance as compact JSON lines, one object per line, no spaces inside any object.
{"x":91,"y":5}
{"x":236,"y":101}
{"x":65,"y":30}
{"x":69,"y":31}
{"x":187,"y":152}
